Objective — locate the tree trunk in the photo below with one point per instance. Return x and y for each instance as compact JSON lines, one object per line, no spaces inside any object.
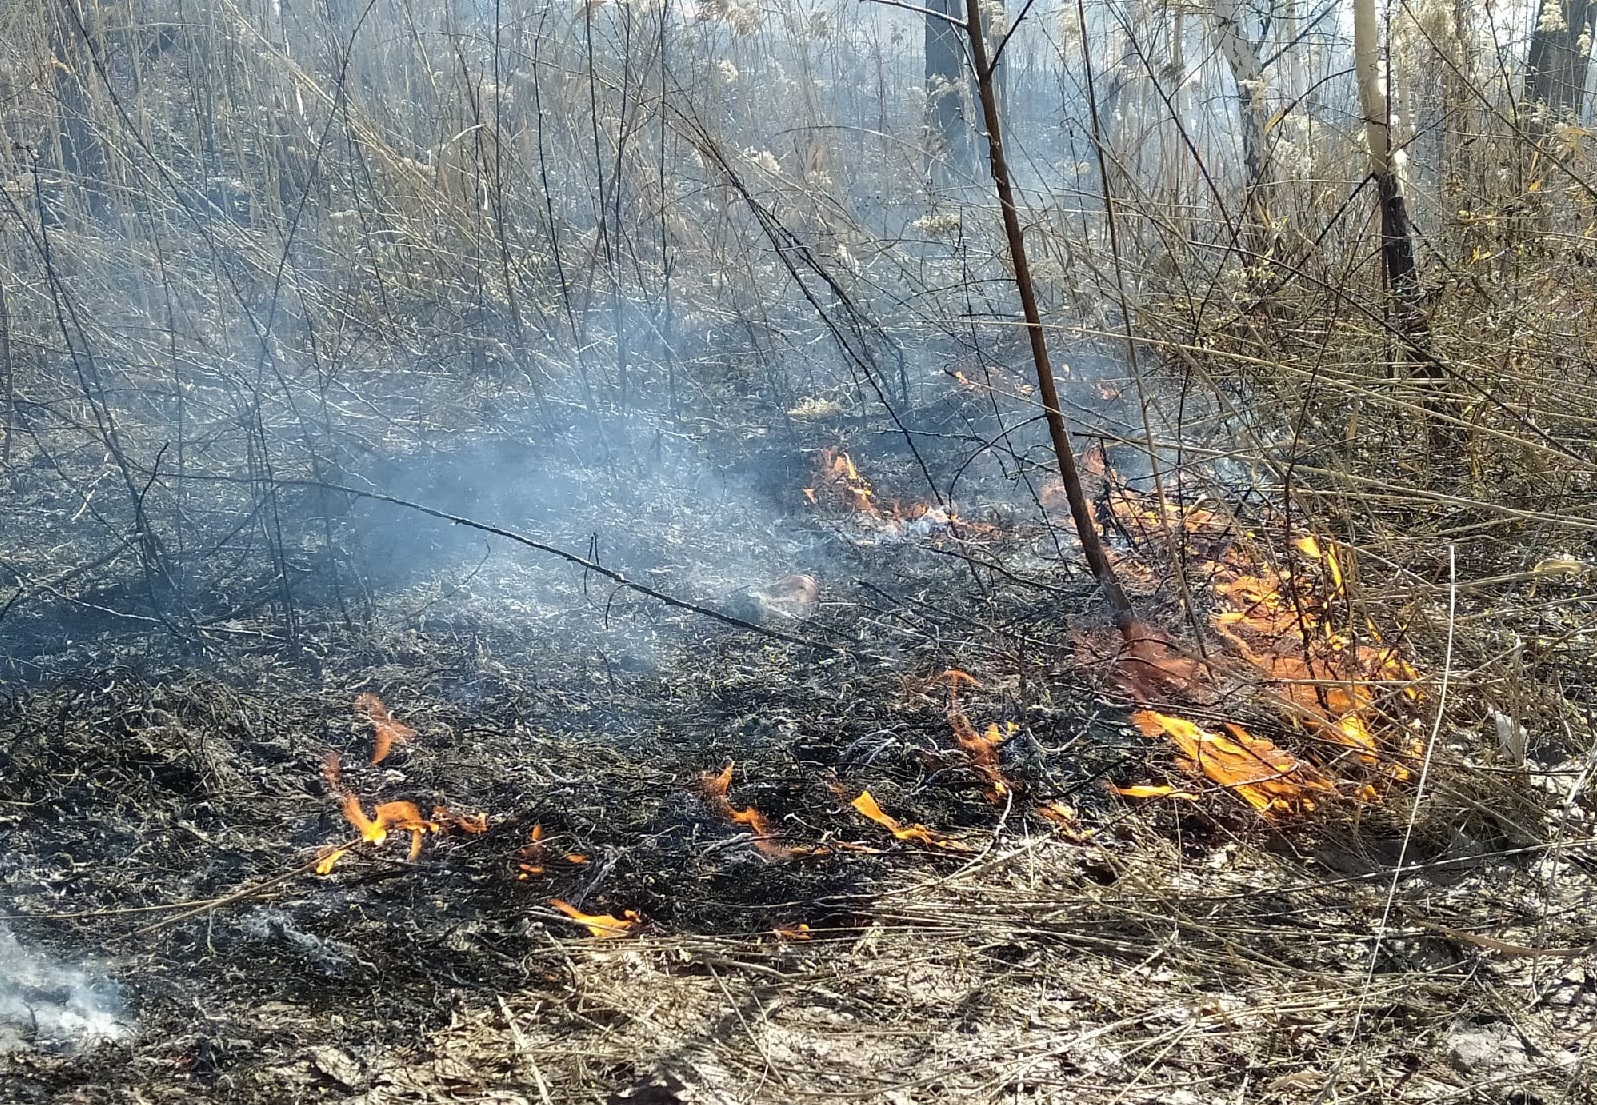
{"x":1397,"y":238}
{"x":1242,"y":54}
{"x":1397,"y":246}
{"x":82,"y":159}
{"x":1558,"y":61}
{"x":947,"y":91}
{"x":953,"y":112}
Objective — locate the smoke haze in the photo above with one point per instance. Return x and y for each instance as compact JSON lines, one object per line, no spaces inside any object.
{"x":52,"y":1005}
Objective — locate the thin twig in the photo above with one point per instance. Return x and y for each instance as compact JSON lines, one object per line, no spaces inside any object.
{"x":238,"y":896}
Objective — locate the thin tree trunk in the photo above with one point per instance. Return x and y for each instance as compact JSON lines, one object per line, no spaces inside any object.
{"x":1242,"y":54}
{"x":1080,"y":508}
{"x":1397,"y":239}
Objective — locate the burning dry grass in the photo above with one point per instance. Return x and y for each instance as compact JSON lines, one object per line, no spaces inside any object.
{"x":1284,"y":642}
{"x":913,"y":834}
{"x":765,"y":838}
{"x":1167,"y":951}
{"x":840,"y":486}
{"x":386,"y":732}
{"x":761,"y":875}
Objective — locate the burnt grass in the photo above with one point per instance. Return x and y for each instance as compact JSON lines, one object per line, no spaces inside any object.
{"x":164,"y":797}
{"x":138,"y":795}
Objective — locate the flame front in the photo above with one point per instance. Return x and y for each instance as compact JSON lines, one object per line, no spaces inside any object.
{"x":1268,"y":778}
{"x":715,"y":791}
{"x":602,"y":926}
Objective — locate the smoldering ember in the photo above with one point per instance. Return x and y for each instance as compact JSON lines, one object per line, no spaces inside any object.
{"x":764,"y":552}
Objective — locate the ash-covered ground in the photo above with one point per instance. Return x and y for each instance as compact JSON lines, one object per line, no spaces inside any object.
{"x":166,"y":792}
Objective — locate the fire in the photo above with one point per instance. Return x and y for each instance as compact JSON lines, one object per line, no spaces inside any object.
{"x":838,"y":478}
{"x":1065,"y":819}
{"x":995,"y":378}
{"x":1268,"y":778}
{"x":715,"y":790}
{"x":389,"y":817}
{"x":386,"y":732}
{"x":1281,"y":620}
{"x":910,"y":834}
{"x":1152,"y":665}
{"x":793,"y":596}
{"x":839,"y":481}
{"x":602,"y":926}
{"x":328,"y":859}
{"x":982,"y":747}
{"x":1151,"y":790}
{"x":532,"y":856}
{"x":470,"y":823}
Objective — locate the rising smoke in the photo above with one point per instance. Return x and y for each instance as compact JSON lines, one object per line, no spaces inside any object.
{"x":54,"y":1006}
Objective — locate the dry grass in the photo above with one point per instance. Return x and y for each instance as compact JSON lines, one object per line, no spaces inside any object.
{"x":239,"y":246}
{"x":1205,"y":973}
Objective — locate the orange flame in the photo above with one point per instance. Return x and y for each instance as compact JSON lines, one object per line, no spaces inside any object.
{"x":1280,"y":619}
{"x":370,"y":831}
{"x":1066,"y":821}
{"x":328,"y":858}
{"x":1150,"y":790}
{"x":839,"y":481}
{"x":386,"y":732}
{"x":1268,"y":778}
{"x":530,"y":855}
{"x":387,"y":817}
{"x":533,"y":856}
{"x":602,"y":926}
{"x":715,"y":790}
{"x":469,"y":823}
{"x":981,"y":747}
{"x":912,"y":834}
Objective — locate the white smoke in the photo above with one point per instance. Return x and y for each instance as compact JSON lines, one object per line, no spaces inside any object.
{"x":51,"y":1005}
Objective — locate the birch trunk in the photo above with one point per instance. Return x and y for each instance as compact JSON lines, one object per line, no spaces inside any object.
{"x":1242,"y":55}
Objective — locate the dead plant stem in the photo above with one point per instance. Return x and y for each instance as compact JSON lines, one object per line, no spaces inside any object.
{"x":1080,"y":509}
{"x":1390,"y":905}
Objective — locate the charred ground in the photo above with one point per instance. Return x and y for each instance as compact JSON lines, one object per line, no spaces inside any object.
{"x":164,"y":806}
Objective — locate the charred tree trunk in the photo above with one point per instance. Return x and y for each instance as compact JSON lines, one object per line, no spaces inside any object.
{"x":1080,"y":509}
{"x":951,"y":96}
{"x":1397,"y":242}
{"x":1558,"y":62}
{"x":82,"y":159}
{"x":1397,"y":236}
{"x":947,"y":91}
